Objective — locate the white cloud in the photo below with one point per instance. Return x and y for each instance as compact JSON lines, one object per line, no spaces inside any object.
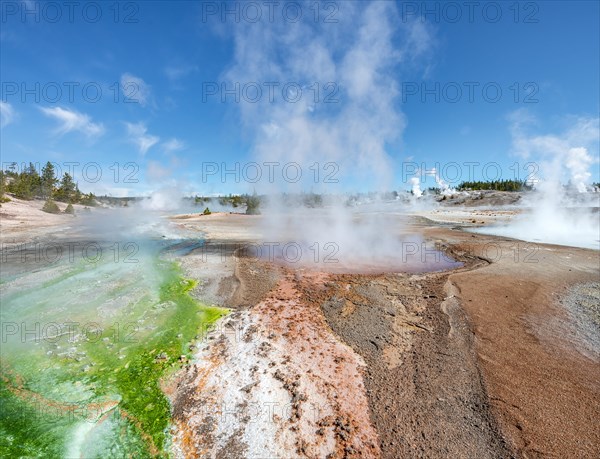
{"x":138,"y":135}
{"x":135,"y":89}
{"x":175,"y":72}
{"x":71,"y":120}
{"x":7,"y":114}
{"x":173,"y":145}
{"x":419,"y":39}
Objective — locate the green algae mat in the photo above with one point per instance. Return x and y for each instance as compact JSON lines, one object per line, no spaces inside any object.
{"x":84,"y":346}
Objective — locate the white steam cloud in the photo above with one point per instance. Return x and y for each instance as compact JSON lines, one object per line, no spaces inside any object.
{"x":559,"y":214}
{"x":416,"y":187}
{"x":352,"y":121}
{"x":561,"y":158}
{"x":346,"y":110}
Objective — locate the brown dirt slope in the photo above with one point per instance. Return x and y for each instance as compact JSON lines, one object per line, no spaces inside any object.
{"x":544,"y":390}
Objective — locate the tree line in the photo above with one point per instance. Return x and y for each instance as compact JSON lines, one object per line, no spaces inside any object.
{"x":29,"y":184}
{"x":497,"y":185}
{"x":252,"y":202}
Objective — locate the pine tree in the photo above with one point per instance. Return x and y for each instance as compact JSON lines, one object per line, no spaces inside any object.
{"x":252,"y":204}
{"x":67,"y":190}
{"x":48,"y":180}
{"x":26,"y":184}
{"x":77,"y":194}
{"x":3,"y":188}
{"x":51,"y":207}
{"x":88,"y":199}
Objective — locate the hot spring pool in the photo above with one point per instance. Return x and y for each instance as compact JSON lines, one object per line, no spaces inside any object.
{"x":84,"y":343}
{"x":406,"y":256}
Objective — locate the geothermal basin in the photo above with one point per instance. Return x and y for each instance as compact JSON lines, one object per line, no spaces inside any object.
{"x":183,"y":339}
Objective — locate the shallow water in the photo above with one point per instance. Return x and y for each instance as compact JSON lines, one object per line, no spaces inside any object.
{"x":84,"y":342}
{"x":575,"y":227}
{"x":407,"y":256}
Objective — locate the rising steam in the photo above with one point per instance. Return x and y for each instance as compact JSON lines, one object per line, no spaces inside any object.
{"x":559,"y":213}
{"x":357,"y":61}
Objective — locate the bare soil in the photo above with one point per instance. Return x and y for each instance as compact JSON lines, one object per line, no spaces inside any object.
{"x":477,"y":362}
{"x":544,"y":390}
{"x":496,"y":359}
{"x":21,"y":221}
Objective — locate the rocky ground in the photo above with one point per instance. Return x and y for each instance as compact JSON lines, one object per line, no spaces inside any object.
{"x":469,"y":363}
{"x":489,"y":198}
{"x":582,"y":303}
{"x":497,"y":358}
{"x":543,"y":387}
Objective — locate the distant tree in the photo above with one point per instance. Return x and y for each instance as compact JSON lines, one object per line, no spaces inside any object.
{"x":48,"y":180}
{"x":252,"y":204}
{"x":236,"y":201}
{"x":51,"y":207}
{"x":70,"y":209}
{"x":26,"y":184}
{"x":67,"y":191}
{"x":3,"y":188}
{"x":312,"y":200}
{"x":88,"y":199}
{"x":206,"y":211}
{"x":497,"y":185}
{"x":201,"y":200}
{"x":77,"y":194}
{"x":2,"y":183}
{"x":11,"y":169}
{"x":352,"y":200}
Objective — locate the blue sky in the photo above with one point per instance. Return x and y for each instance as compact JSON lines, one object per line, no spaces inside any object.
{"x":375,"y":63}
